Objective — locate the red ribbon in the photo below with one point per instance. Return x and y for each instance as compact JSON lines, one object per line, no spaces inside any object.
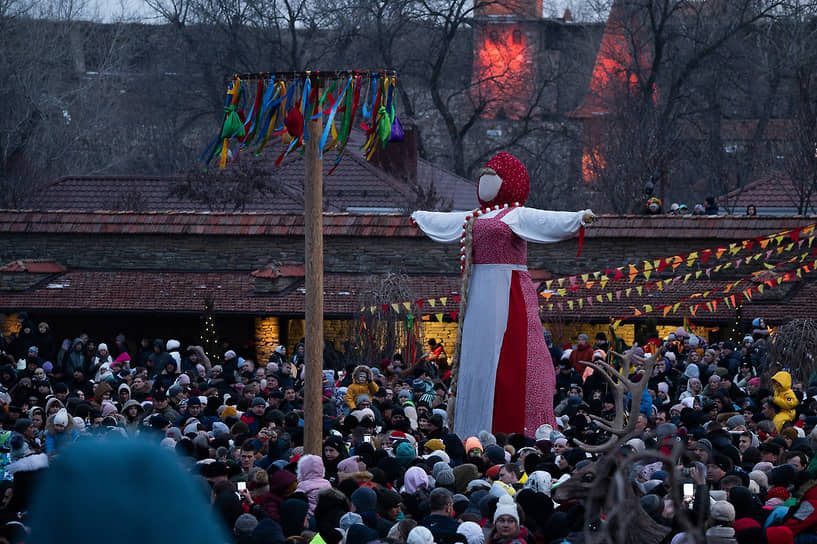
{"x":581,"y":241}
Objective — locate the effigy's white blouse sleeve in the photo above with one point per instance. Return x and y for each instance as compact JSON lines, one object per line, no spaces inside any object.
{"x":441,"y":226}
{"x":534,"y":225}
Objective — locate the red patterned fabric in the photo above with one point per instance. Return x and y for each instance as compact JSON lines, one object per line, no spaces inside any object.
{"x":525,"y":379}
{"x":515,"y":181}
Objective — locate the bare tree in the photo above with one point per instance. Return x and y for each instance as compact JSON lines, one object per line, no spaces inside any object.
{"x":648,"y":79}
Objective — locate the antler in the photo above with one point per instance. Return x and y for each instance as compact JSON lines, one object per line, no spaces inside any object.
{"x":621,"y":425}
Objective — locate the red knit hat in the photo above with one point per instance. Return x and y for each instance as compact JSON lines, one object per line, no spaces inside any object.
{"x":745,"y":523}
{"x":515,"y":181}
{"x":779,"y":535}
{"x":778,"y":493}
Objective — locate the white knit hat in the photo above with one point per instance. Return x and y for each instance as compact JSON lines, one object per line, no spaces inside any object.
{"x":420,"y":535}
{"x":61,"y":417}
{"x":506,"y":507}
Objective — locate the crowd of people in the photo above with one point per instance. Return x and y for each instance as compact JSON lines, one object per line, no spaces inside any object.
{"x":390,"y":470}
{"x":654,"y":206}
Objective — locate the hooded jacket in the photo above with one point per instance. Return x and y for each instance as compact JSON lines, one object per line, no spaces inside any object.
{"x":356,"y":389}
{"x":310,"y":479}
{"x":804,"y":516}
{"x":784,"y":399}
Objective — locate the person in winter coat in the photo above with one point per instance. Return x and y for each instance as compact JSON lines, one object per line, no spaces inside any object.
{"x":804,"y":517}
{"x":282,"y":483}
{"x":362,"y":384}
{"x":507,"y":529}
{"x":59,"y":431}
{"x":311,"y":479}
{"x":75,"y":358}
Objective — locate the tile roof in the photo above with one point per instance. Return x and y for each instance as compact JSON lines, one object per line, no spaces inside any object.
{"x":183,"y":292}
{"x":764,"y":193}
{"x":366,"y":225}
{"x":356,"y":183}
{"x":33,"y":267}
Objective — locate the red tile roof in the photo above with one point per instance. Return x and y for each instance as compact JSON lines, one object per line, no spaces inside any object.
{"x":34,"y":267}
{"x":767,"y":192}
{"x":178,"y":292}
{"x":356,"y":183}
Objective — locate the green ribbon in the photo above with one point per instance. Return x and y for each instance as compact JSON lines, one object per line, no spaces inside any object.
{"x":384,"y":125}
{"x":232,"y":124}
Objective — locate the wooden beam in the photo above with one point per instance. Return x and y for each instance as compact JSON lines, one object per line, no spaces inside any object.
{"x":313,"y":219}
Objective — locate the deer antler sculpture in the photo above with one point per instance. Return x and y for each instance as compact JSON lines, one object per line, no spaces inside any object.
{"x":622,"y":426}
{"x":605,"y":485}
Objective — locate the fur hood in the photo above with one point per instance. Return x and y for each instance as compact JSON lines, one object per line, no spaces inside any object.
{"x":362,"y":369}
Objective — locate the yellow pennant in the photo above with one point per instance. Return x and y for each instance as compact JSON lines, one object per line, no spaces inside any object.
{"x":675,"y":307}
{"x":734,"y":249}
{"x":561,"y":281}
{"x":686,"y":277}
{"x":647,"y":274}
{"x":395,"y":307}
{"x":585,"y":277}
{"x":639,"y":289}
{"x":439,"y":317}
{"x":698,"y":274}
{"x":372,"y":309}
{"x":628,"y":291}
{"x":570,"y":304}
{"x":647,"y":308}
{"x":561,"y":292}
{"x":432,"y":302}
{"x":779,"y":239}
{"x":610,"y":297}
{"x":598,"y":298}
{"x":603,"y":282}
{"x":660,"y":285}
{"x":760,"y":288}
{"x":407,"y":306}
{"x":443,"y":300}
{"x":616,"y":323}
{"x":581,"y":302}
{"x":548,"y":284}
{"x":550,"y":306}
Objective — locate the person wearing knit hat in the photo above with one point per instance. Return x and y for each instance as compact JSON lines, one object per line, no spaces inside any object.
{"x":506,"y":520}
{"x":245,"y":524}
{"x":59,"y":431}
{"x":495,"y":454}
{"x":463,"y":475}
{"x":443,"y":475}
{"x":404,"y":453}
{"x":364,"y":499}
{"x":472,"y":532}
{"x":420,"y":535}
{"x":435,"y":444}
{"x":722,"y":512}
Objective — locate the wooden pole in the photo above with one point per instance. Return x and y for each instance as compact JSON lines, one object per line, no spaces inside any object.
{"x":313,"y":219}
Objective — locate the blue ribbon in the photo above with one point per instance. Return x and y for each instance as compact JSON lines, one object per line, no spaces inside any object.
{"x":330,"y":119}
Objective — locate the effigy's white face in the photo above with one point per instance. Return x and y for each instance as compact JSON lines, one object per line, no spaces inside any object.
{"x":489,"y":185}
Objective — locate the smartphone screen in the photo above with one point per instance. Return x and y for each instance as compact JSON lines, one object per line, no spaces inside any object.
{"x":689,"y":494}
{"x":242,"y":486}
{"x":367,"y":438}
